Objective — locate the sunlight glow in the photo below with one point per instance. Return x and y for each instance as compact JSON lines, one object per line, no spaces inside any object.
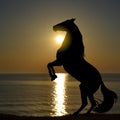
{"x":59,"y":39}
{"x":59,"y":95}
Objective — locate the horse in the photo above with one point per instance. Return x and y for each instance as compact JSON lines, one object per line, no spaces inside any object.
{"x":71,"y":56}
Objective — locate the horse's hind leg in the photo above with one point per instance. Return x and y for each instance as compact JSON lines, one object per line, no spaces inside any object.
{"x":83,"y":98}
{"x":93,"y":103}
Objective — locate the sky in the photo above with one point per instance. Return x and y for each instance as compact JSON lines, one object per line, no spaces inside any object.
{"x":27,"y":40}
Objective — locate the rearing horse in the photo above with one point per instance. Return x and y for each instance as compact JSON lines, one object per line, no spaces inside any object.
{"x":71,"y":56}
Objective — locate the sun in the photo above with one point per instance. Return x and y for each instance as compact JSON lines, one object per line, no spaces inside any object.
{"x":59,"y":39}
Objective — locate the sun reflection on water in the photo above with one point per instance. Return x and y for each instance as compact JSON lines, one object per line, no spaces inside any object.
{"x":59,"y":96}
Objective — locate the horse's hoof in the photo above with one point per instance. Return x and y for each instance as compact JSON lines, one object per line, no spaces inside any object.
{"x":53,"y":77}
{"x":86,"y":114}
{"x":75,"y":114}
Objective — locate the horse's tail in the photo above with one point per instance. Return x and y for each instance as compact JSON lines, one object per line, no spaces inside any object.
{"x":109,"y":98}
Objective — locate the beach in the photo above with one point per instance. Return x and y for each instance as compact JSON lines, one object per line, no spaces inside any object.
{"x":36,"y":95}
{"x":67,"y":117}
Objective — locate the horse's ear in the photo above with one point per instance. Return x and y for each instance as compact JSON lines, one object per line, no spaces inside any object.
{"x":73,"y":19}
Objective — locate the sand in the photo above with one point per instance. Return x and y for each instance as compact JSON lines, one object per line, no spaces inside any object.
{"x":67,"y":117}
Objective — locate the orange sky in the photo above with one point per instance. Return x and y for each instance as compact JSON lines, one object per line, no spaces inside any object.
{"x":27,"y":41}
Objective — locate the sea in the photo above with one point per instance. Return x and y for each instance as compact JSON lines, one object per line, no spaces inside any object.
{"x":36,"y":95}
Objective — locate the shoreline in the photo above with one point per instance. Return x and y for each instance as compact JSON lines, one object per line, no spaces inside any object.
{"x":66,"y":117}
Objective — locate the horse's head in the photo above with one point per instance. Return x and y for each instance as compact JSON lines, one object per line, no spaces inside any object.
{"x":73,"y":38}
{"x":64,"y":26}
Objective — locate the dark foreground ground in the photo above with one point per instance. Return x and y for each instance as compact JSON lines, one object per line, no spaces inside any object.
{"x":67,"y":117}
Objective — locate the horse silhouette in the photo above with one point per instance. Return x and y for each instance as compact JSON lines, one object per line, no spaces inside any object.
{"x":71,"y":56}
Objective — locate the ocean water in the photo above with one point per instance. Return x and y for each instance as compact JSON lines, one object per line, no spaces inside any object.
{"x":36,"y":95}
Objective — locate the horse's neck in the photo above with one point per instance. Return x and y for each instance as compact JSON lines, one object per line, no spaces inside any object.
{"x":66,"y":43}
{"x":73,"y":43}
{"x":76,"y":40}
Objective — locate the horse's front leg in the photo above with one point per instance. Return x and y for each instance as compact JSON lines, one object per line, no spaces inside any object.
{"x":51,"y":69}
